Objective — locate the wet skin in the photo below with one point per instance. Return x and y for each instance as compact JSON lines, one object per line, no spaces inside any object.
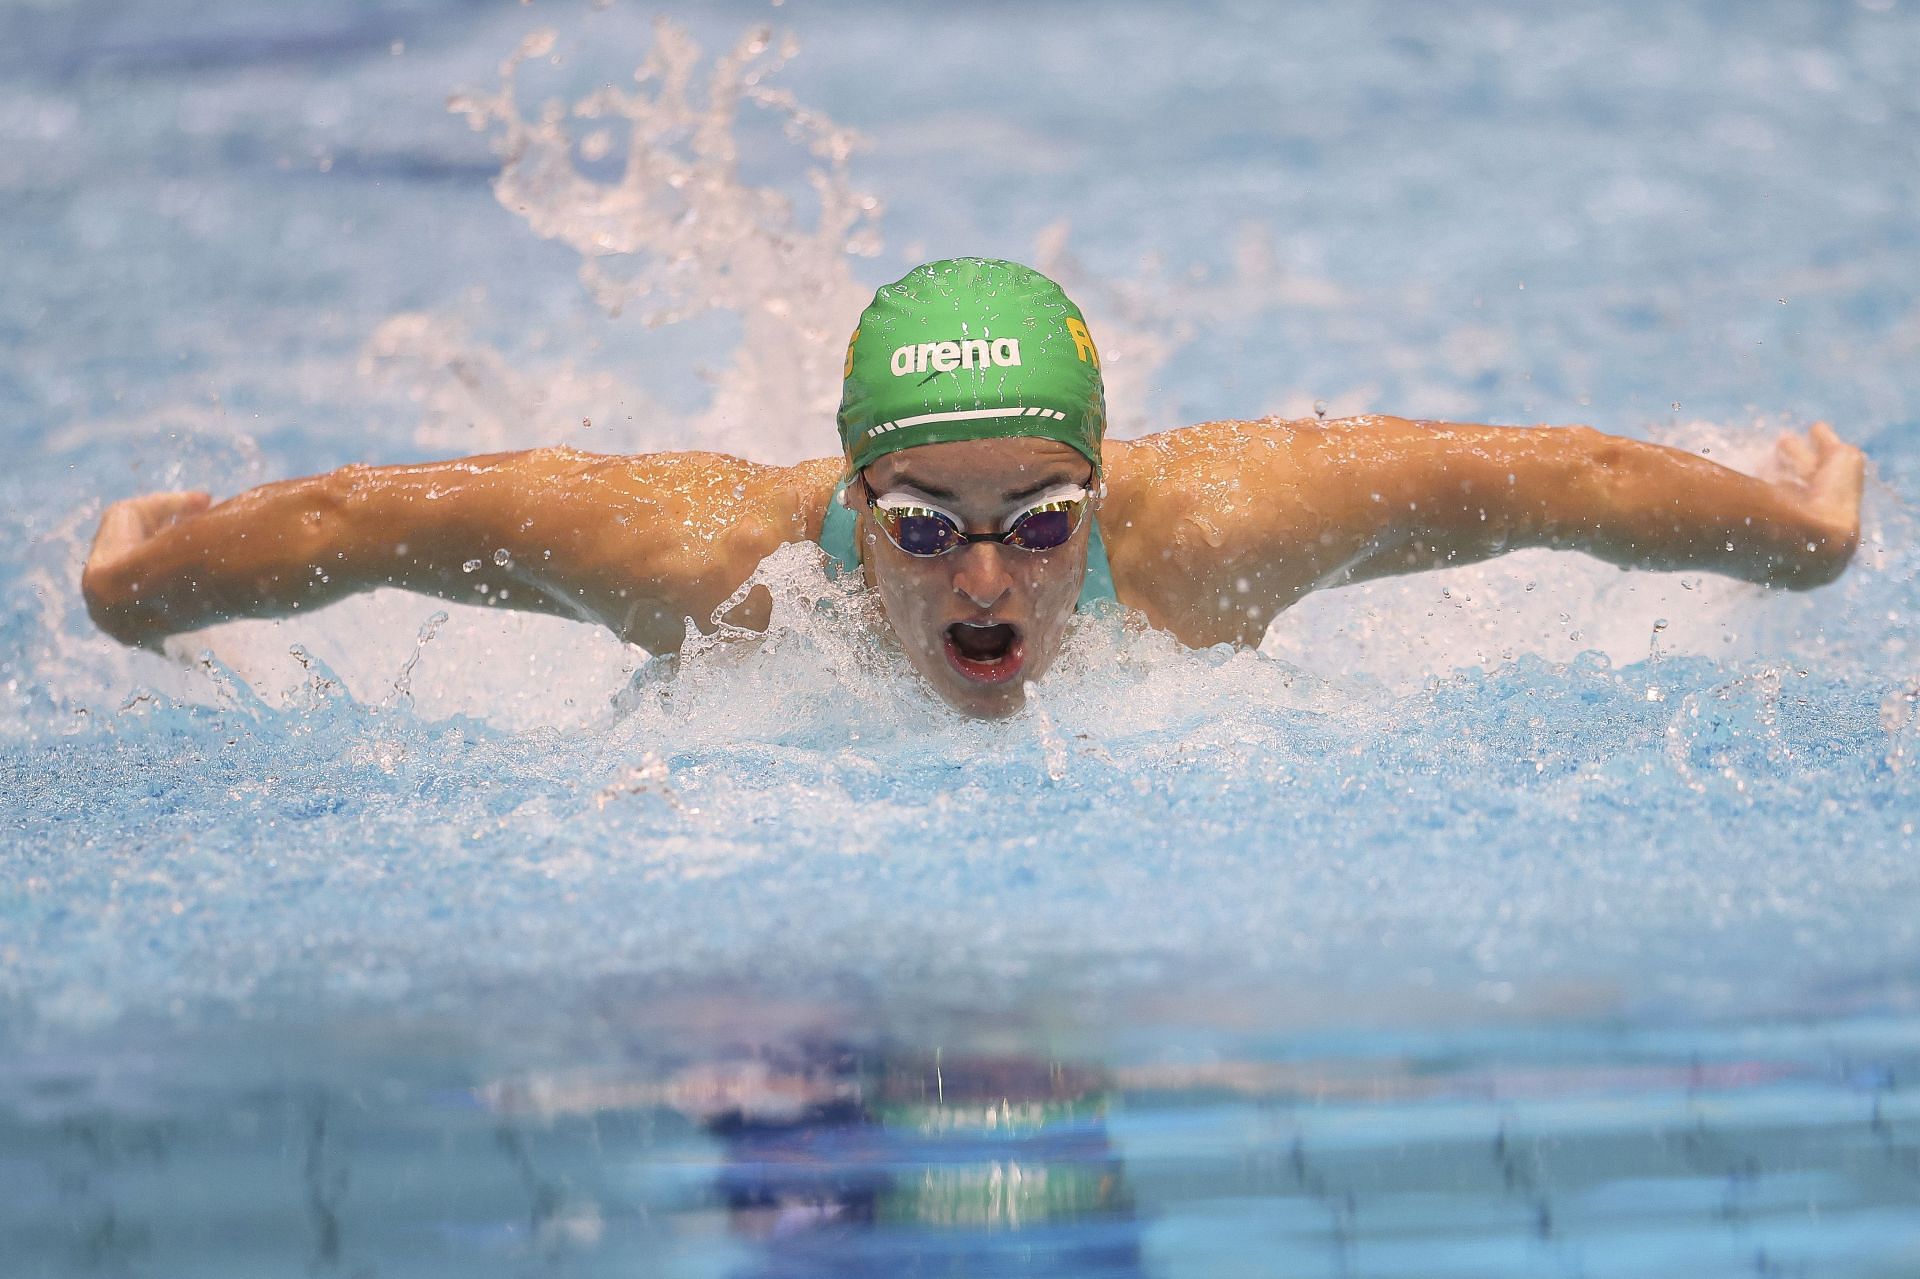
{"x":1211,"y":532}
{"x":983,"y":482}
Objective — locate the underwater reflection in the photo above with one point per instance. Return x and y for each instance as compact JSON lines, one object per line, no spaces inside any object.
{"x":923,"y":1163}
{"x":841,"y":1161}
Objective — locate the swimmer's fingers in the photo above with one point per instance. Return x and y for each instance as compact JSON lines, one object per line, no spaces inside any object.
{"x":1828,"y":477}
{"x":108,"y":581}
{"x":1839,"y":474}
{"x":1794,"y":458}
{"x":125,"y":525}
{"x":1821,"y":477}
{"x":1820,"y":462}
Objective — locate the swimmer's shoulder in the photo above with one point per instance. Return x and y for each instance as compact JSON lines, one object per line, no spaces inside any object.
{"x":1174,"y":473}
{"x":803,"y":492}
{"x":1186,"y":507}
{"x":1161,"y":478}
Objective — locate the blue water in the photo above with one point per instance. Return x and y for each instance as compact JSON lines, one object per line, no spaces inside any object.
{"x":1530,"y":919}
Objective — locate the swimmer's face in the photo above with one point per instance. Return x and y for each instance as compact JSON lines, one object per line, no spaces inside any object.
{"x":979,"y":621}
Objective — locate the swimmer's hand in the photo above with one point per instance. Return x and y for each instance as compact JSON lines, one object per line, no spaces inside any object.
{"x":1821,"y":475}
{"x":109,"y":581}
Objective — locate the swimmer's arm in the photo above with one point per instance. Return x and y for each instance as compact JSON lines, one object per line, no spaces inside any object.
{"x":1215,"y":529}
{"x":637,"y":544}
{"x":1452,"y":494}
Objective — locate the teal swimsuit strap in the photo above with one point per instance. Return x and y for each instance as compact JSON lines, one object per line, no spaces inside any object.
{"x":1098,"y":586}
{"x":837,"y":540}
{"x":837,"y":534}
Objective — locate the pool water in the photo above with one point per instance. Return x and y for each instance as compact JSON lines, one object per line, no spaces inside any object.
{"x":1524,"y":919}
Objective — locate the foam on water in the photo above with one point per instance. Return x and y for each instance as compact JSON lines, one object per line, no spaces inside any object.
{"x":795,"y":810}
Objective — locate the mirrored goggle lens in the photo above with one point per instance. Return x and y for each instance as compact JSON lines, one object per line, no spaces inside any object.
{"x":1044,"y":530}
{"x":921,"y":534}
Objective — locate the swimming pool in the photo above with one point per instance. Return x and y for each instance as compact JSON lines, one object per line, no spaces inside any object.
{"x":1531,"y":919}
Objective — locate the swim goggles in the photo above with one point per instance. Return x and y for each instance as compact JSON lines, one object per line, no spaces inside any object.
{"x":925,"y":531}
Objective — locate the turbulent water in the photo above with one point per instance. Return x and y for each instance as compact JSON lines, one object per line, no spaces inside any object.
{"x":1531,"y":918}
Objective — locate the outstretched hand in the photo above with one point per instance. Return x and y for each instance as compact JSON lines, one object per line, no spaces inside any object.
{"x":125,"y":528}
{"x":1823,"y":475}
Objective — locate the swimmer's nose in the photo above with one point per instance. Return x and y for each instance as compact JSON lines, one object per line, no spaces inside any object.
{"x":982,"y":576}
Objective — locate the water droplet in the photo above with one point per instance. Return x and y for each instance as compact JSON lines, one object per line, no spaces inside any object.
{"x":471,"y":566}
{"x":1659,"y":623}
{"x":502,"y":558}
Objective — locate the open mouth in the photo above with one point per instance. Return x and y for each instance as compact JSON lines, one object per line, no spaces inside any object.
{"x":986,"y":652}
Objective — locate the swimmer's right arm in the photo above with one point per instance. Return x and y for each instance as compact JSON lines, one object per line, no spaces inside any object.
{"x":637,"y":544}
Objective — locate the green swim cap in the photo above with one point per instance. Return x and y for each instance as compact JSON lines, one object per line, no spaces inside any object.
{"x":970,"y":349}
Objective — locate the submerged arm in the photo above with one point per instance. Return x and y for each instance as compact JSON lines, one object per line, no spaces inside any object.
{"x":637,"y":544}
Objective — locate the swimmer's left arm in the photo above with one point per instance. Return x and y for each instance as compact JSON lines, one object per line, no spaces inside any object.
{"x":1455,"y":494}
{"x":1215,"y":529}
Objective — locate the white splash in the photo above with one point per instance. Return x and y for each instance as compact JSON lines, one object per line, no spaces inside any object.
{"x":680,"y":233}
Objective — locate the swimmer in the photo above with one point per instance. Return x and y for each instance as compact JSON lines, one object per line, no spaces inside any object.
{"x":978,"y":497}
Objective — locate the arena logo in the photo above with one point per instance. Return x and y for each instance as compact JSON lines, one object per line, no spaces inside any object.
{"x":945,"y":357}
